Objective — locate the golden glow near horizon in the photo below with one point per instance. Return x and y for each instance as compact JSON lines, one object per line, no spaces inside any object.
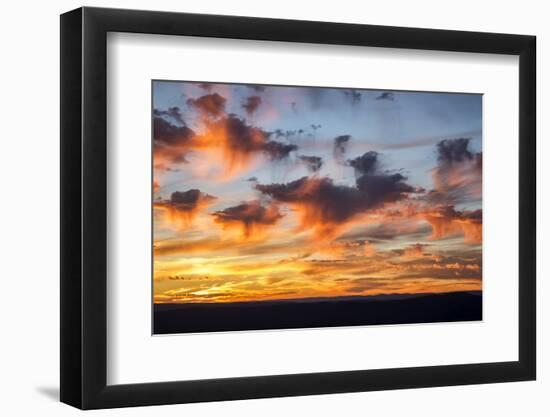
{"x":264,"y":193}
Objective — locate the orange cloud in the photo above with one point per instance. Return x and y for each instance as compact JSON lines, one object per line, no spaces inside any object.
{"x":227,"y":140}
{"x":446,"y":221}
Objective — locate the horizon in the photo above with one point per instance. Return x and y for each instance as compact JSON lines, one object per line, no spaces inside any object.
{"x":328,"y":298}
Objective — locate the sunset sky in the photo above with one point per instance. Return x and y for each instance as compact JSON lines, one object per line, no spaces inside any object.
{"x":268,"y":192}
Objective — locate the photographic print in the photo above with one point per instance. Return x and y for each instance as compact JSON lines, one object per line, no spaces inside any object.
{"x":279,"y":207}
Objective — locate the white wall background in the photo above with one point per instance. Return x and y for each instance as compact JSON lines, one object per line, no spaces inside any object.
{"x":29,"y":237}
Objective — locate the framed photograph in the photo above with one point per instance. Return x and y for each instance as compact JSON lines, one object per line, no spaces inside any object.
{"x":258,"y":208}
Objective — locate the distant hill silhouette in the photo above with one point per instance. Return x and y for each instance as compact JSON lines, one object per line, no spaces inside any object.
{"x":317,"y":312}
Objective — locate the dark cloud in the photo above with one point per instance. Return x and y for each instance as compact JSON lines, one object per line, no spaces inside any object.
{"x":457,"y":177}
{"x":240,"y":136}
{"x":353,"y":96}
{"x":170,"y":142}
{"x":335,"y":204}
{"x":172,"y":112}
{"x":249,"y":216}
{"x":325,"y":204}
{"x":251,"y":104}
{"x":312,"y":163}
{"x":244,"y":138}
{"x":364,"y":164}
{"x":188,"y":200}
{"x":287,"y":134}
{"x":384,"y":188}
{"x":386,"y":96}
{"x":277,"y":150}
{"x":183,"y":206}
{"x":278,"y":133}
{"x":454,"y":150}
{"x":475,"y":216}
{"x":168,"y":134}
{"x":212,"y":105}
{"x":340,"y":146}
{"x":478,"y":158}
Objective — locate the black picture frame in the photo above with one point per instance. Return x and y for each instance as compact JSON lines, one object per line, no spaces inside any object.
{"x":84,"y":207}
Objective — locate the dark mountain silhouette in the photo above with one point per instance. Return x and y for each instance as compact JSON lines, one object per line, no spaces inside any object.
{"x":317,"y":312}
